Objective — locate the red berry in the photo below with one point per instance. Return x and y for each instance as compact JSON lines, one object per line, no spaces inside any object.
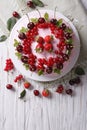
{"x":36,"y":92}
{"x":30,"y":25}
{"x":48,"y":38}
{"x":41,"y":20}
{"x":45,"y":93}
{"x":48,"y":47}
{"x":69,"y":91}
{"x":9,"y":86}
{"x":18,"y":78}
{"x":22,"y":36}
{"x":16,"y":14}
{"x":9,"y":65}
{"x":27,"y":84}
{"x":40,"y":40}
{"x":53,"y":21}
{"x":39,"y":47}
{"x":60,"y":89}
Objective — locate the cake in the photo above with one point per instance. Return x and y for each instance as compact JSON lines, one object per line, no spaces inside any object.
{"x":44,"y":45}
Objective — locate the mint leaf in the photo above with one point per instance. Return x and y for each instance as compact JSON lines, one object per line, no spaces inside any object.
{"x":16,"y":43}
{"x":79,"y":71}
{"x":24,"y":30}
{"x":3,"y":38}
{"x":69,"y":41}
{"x":46,"y":16}
{"x":59,"y":22}
{"x":69,"y":30}
{"x":56,"y":71}
{"x":34,"y":20}
{"x":40,"y":72}
{"x":38,"y":3}
{"x":18,"y":55}
{"x":23,"y":93}
{"x":10,"y":23}
{"x":26,"y":66}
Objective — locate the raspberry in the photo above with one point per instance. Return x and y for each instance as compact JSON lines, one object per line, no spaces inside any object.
{"x":18,"y":78}
{"x":9,"y":65}
{"x":60,"y":89}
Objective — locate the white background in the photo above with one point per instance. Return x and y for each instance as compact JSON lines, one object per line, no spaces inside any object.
{"x":59,"y":112}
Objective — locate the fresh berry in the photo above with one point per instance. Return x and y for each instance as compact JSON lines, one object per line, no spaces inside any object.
{"x":30,"y":25}
{"x":68,"y":36}
{"x":9,"y":86}
{"x":59,"y":66}
{"x":63,"y":26}
{"x":9,"y":65}
{"x":36,"y":92}
{"x":77,"y":80}
{"x":48,"y":38}
{"x":72,"y":81}
{"x":18,"y":78}
{"x":32,"y":68}
{"x":24,"y":59}
{"x":40,"y":40}
{"x":19,"y":48}
{"x":48,"y":47}
{"x":53,"y":21}
{"x":16,"y":14}
{"x":45,"y":92}
{"x":69,"y":46}
{"x":41,"y":20}
{"x":69,"y":92}
{"x":22,"y":36}
{"x":27,"y":85}
{"x":60,"y":89}
{"x":65,"y":57}
{"x":49,"y":70}
{"x":30,"y":4}
{"x":39,"y":48}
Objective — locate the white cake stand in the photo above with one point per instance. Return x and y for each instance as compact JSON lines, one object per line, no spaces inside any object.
{"x":67,"y":66}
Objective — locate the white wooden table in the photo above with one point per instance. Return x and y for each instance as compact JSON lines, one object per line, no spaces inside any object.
{"x":59,"y":112}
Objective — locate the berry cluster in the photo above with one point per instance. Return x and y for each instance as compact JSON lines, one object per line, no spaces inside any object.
{"x":18,"y":78}
{"x":9,"y":65}
{"x":60,"y":55}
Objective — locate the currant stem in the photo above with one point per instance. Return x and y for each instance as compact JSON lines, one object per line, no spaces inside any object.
{"x":55,"y":12}
{"x":28,"y":17}
{"x":38,"y":12}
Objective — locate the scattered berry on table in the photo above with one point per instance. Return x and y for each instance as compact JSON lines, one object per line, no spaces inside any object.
{"x":45,"y":93}
{"x":18,"y":78}
{"x":36,"y":92}
{"x":9,"y":86}
{"x":30,"y":4}
{"x":69,"y":91}
{"x":9,"y":65}
{"x":15,"y":14}
{"x":60,"y":89}
{"x":27,"y":85}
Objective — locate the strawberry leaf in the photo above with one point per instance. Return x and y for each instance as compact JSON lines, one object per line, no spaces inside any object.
{"x":3,"y":38}
{"x":10,"y":23}
{"x":23,"y":93}
{"x":79,"y":71}
{"x":38,"y":3}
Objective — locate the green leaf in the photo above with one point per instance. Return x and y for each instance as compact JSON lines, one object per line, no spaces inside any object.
{"x":69,"y":30}
{"x":68,"y":52}
{"x":10,"y":23}
{"x":46,"y":16}
{"x":38,"y":3}
{"x":3,"y":38}
{"x":26,"y":66}
{"x":56,"y":71}
{"x":40,"y":72}
{"x":18,"y":55}
{"x":23,"y":93}
{"x":34,"y":20}
{"x":16,"y":43}
{"x":79,"y":71}
{"x":23,"y":30}
{"x":59,"y":22}
{"x":69,"y":41}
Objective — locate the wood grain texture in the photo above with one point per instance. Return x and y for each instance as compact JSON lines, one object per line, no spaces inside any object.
{"x":59,"y":112}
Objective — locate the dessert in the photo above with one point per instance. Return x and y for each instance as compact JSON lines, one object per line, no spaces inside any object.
{"x":44,"y":46}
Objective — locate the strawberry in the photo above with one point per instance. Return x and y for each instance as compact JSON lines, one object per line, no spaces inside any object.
{"x":39,"y":47}
{"x":27,"y":84}
{"x":48,"y":38}
{"x":48,"y":47}
{"x":40,"y":40}
{"x":45,"y":93}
